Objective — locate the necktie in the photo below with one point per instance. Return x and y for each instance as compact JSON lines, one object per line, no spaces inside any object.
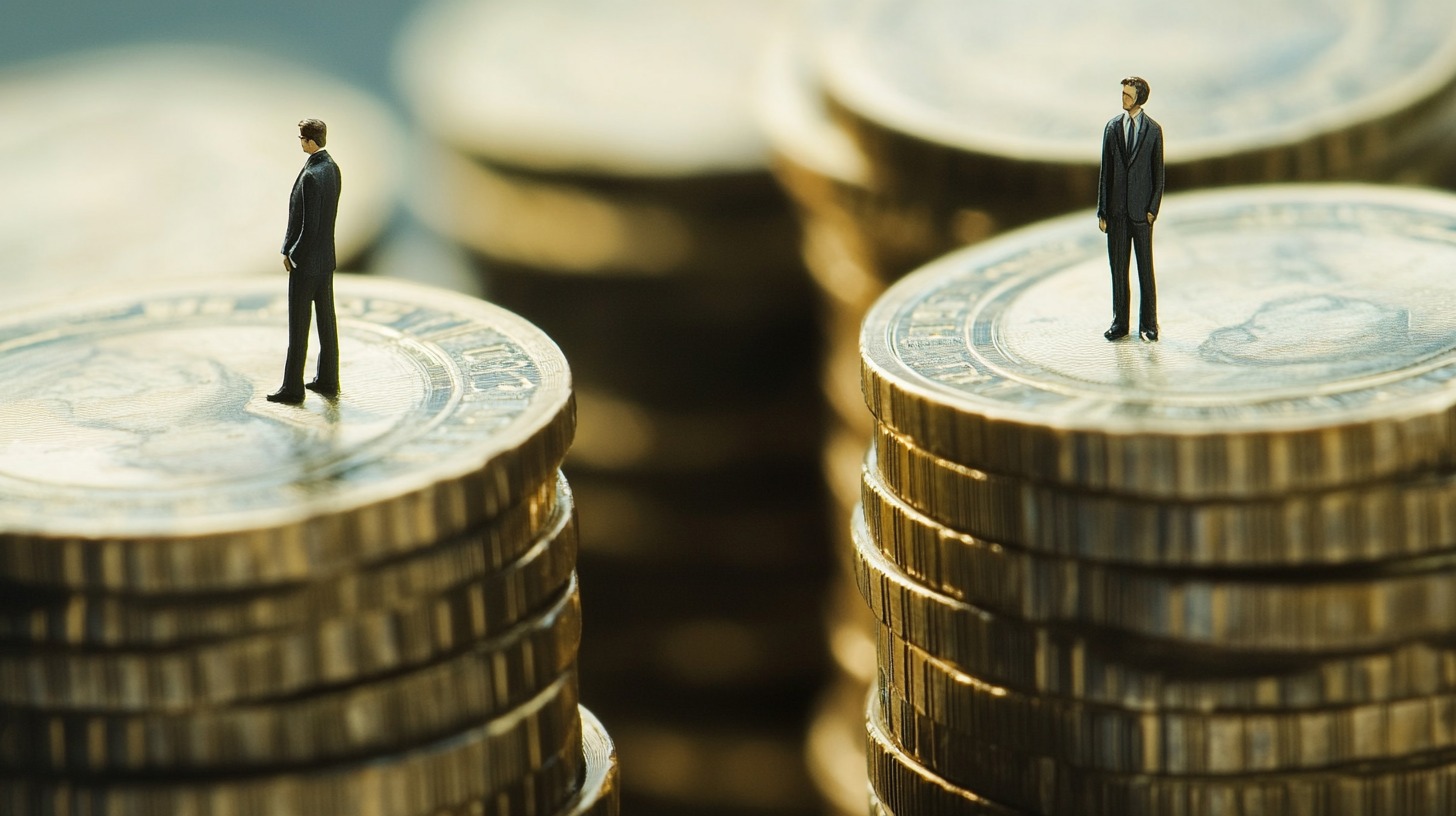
{"x":1131,"y":129}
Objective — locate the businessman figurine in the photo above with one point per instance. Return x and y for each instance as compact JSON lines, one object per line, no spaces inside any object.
{"x":1129,"y":193}
{"x":308,"y":255}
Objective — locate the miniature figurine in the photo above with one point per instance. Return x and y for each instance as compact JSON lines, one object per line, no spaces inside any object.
{"x":308,"y":255}
{"x":1129,"y":193}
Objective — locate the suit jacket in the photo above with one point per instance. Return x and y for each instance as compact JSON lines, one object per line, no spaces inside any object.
{"x":1131,"y":186}
{"x":312,"y":207}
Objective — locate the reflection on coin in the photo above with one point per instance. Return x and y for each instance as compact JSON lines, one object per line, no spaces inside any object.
{"x":1307,"y":343}
{"x":552,"y":85}
{"x":599,"y":792}
{"x":137,"y":452}
{"x":174,"y":161}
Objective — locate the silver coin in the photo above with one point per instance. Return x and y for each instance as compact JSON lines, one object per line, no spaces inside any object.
{"x":1308,"y":341}
{"x":137,"y":450}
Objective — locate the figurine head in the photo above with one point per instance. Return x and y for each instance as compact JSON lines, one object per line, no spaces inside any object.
{"x":1134,"y":92}
{"x":313,"y":133}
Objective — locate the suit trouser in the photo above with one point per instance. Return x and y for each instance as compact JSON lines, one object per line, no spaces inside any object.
{"x":306,"y":293}
{"x":1124,"y":233}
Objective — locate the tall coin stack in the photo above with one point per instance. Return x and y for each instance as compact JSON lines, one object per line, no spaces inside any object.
{"x":906,"y":128}
{"x":216,"y":604}
{"x":1207,"y":575}
{"x":601,"y":162}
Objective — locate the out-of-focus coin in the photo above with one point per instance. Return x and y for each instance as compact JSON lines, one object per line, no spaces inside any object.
{"x":1419,"y":783}
{"x":642,"y":88}
{"x":137,"y":452}
{"x":834,"y":749}
{"x":1307,"y":343}
{"x":524,"y":219}
{"x":174,"y":161}
{"x":1339,"y":609}
{"x":369,"y":643}
{"x":1321,"y":92}
{"x":389,"y":714}
{"x":1134,"y":672}
{"x":455,"y":769}
{"x":115,"y":620}
{"x":1166,"y":741}
{"x":1370,"y":522}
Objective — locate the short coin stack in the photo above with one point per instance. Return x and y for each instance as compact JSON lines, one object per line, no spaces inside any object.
{"x":1208,"y":575}
{"x":215,"y":604}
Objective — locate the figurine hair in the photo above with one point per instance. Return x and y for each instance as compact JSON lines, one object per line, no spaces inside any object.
{"x":1137,"y":82}
{"x":316,"y":130}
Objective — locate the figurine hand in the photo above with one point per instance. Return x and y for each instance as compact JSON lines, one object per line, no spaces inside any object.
{"x":287,"y":264}
{"x":1152,"y":217}
{"x":1102,"y":224}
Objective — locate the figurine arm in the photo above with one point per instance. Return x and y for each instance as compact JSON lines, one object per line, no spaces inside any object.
{"x":1158,"y":177}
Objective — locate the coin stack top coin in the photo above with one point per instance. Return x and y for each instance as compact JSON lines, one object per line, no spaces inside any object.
{"x":1204,"y":575}
{"x":358,"y":605}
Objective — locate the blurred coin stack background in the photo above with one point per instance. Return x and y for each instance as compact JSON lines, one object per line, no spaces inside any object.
{"x":1211,"y":575}
{"x":156,"y":161}
{"x":905,"y":129}
{"x":601,"y":163}
{"x":214,"y":604}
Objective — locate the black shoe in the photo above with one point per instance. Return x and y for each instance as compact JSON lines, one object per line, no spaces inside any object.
{"x":317,"y":387}
{"x":286,"y":397}
{"x":1151,"y":335}
{"x":1115,"y":332}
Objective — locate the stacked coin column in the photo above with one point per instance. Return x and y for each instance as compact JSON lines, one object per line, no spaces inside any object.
{"x":217,"y":604}
{"x":1208,"y":575}
{"x":613,"y":186}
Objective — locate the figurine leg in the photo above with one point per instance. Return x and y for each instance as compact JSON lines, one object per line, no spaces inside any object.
{"x":326,"y":381}
{"x":1118,"y":246}
{"x":300,"y":305}
{"x":1142,"y":241}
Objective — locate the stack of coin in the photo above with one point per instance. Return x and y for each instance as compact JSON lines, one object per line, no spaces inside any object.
{"x":1208,"y":575}
{"x":216,"y":604}
{"x":175,"y":161}
{"x":601,"y":162}
{"x":906,"y":129}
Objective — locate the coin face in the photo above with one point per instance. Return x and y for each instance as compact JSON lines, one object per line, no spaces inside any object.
{"x":174,"y":161}
{"x":649,"y":87}
{"x":143,"y":415}
{"x":1308,"y":341}
{"x":1036,"y":81}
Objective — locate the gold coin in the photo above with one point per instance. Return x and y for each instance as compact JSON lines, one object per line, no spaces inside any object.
{"x":1332,"y":610}
{"x":1420,"y":783}
{"x":903,"y":785}
{"x":124,"y":472}
{"x":1370,"y":522}
{"x":600,"y":792}
{"x":389,"y":714}
{"x":455,"y":769}
{"x":1119,"y":669}
{"x":352,"y":648}
{"x":1306,"y":346}
{"x":113,"y":620}
{"x":1163,"y":741}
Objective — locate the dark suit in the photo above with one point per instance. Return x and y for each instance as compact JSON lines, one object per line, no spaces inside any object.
{"x":1130,"y":187}
{"x":309,"y":245}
